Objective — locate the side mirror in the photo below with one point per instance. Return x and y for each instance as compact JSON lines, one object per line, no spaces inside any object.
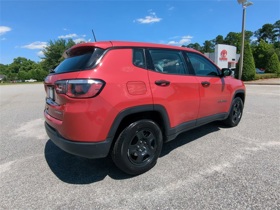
{"x":226,"y":72}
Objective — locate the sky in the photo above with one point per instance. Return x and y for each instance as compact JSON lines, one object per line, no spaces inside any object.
{"x":27,"y":26}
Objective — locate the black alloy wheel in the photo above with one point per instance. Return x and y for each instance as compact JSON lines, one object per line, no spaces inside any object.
{"x":138,"y":147}
{"x":142,"y":147}
{"x":236,"y":112}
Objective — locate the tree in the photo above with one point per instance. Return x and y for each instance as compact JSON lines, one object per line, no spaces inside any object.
{"x":18,"y":63}
{"x":54,"y":52}
{"x":219,"y":40}
{"x":266,"y":33}
{"x":40,"y":74}
{"x":248,"y":35}
{"x":23,"y":75}
{"x":262,"y":53}
{"x":273,"y":65}
{"x":195,"y":46}
{"x":276,"y":30}
{"x":234,"y":39}
{"x":3,"y":69}
{"x":277,"y":51}
{"x":22,"y":69}
{"x":249,"y":69}
{"x":208,"y":46}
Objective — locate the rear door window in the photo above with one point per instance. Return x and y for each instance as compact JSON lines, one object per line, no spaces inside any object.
{"x":168,"y":61}
{"x":80,"y":59}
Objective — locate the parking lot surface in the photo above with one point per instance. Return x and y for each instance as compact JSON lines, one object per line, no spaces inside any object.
{"x":211,"y":167}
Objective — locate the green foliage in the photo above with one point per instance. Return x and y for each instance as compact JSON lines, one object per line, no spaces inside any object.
{"x":208,"y":46}
{"x":273,"y":65}
{"x":219,"y":40}
{"x":195,"y":46}
{"x":266,"y":76}
{"x":277,"y":51}
{"x":268,"y":43}
{"x":262,"y":53}
{"x":266,"y":33}
{"x":248,"y":35}
{"x":249,"y":69}
{"x":234,"y":39}
{"x":54,"y":53}
{"x":276,"y":31}
{"x":23,"y":69}
{"x":23,"y":75}
{"x":20,"y":64}
{"x":3,"y":69}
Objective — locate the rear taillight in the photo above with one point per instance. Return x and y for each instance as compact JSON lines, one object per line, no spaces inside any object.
{"x":79,"y":88}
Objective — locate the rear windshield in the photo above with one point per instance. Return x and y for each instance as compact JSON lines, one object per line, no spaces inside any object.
{"x":80,"y":59}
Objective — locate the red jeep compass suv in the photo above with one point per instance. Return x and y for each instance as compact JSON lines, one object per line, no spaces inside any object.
{"x":127,"y":98}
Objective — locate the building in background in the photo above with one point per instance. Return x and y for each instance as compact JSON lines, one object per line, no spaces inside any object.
{"x":224,"y":56}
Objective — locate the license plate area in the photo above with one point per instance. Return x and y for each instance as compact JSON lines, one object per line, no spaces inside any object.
{"x":50,"y":93}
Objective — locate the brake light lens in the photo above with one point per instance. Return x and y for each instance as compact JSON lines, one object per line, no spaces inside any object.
{"x":79,"y":88}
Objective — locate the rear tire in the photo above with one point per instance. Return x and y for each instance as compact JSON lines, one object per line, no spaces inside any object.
{"x":235,"y":113}
{"x":138,"y":147}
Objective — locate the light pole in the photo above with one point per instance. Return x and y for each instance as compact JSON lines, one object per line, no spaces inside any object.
{"x":245,"y":4}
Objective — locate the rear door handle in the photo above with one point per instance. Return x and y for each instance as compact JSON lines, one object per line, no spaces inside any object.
{"x":205,"y":84}
{"x":162,"y":83}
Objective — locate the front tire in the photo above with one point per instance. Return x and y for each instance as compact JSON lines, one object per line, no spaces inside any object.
{"x":235,"y":113}
{"x":138,"y":147}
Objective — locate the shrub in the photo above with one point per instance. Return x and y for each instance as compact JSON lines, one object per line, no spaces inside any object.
{"x":249,"y":69}
{"x":273,"y":65}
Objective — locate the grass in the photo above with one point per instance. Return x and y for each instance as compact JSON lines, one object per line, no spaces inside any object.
{"x":266,"y":76}
{"x":19,"y":83}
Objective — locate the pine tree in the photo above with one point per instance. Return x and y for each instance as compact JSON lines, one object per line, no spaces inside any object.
{"x":273,"y":65}
{"x":249,"y":69}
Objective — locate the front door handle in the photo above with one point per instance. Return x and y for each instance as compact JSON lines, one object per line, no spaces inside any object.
{"x":205,"y":84}
{"x":162,"y":83}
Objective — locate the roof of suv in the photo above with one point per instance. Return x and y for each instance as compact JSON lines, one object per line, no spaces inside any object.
{"x":109,"y":44}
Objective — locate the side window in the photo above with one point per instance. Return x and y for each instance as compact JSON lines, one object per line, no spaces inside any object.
{"x":168,"y":61}
{"x":138,"y":58}
{"x":202,"y":66}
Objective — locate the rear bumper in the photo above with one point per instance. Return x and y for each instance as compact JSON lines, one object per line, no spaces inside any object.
{"x":87,"y":150}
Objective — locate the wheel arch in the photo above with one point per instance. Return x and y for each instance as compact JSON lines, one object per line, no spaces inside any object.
{"x":240,"y":94}
{"x":156,"y":113}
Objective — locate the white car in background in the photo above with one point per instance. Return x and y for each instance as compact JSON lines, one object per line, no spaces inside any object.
{"x":30,"y":80}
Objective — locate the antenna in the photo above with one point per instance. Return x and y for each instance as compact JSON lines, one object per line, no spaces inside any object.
{"x":93,"y":35}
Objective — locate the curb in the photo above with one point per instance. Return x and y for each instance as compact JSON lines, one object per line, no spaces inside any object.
{"x":259,"y":83}
{"x":271,"y":81}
